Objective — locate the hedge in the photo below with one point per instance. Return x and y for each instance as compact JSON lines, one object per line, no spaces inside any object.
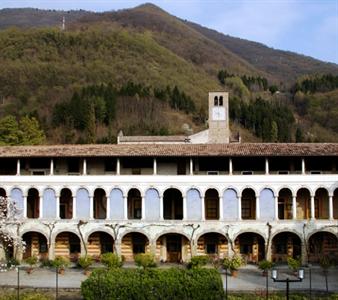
{"x":151,"y":284}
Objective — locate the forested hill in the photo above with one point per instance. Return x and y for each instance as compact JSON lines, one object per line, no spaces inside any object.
{"x":147,"y":72}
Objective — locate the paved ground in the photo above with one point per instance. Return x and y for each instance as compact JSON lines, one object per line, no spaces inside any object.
{"x":249,"y":279}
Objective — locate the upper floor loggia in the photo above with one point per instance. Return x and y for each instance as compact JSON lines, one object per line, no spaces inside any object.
{"x":198,"y":159}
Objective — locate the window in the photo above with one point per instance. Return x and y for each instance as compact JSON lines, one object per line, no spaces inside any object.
{"x":74,"y":247}
{"x":247,"y":208}
{"x":221,"y":101}
{"x":42,"y":245}
{"x":216,"y":101}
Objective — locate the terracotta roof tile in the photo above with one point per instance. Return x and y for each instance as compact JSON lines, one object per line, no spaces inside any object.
{"x":154,"y":138}
{"x":244,"y":149}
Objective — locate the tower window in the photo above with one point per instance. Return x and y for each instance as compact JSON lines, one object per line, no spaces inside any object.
{"x":221,"y":101}
{"x":216,"y":101}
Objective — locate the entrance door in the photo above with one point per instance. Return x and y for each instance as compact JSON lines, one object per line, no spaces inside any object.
{"x":174,"y":248}
{"x":28,"y":251}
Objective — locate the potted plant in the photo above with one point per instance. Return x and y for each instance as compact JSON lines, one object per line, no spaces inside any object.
{"x":85,"y":262}
{"x":294,"y":264}
{"x":31,"y":261}
{"x":265,"y":265}
{"x":60,"y":263}
{"x":233,"y":264}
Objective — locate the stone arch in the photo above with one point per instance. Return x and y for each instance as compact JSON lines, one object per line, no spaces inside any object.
{"x":172,"y":247}
{"x":321,"y":203}
{"x":285,"y":204}
{"x":152,"y":204}
{"x":134,"y":202}
{"x":285,"y":244}
{"x":67,"y":244}
{"x":303,"y":200}
{"x":273,"y":190}
{"x":248,"y":204}
{"x":116,"y":199}
{"x":173,"y":204}
{"x":235,"y":189}
{"x":322,"y":244}
{"x":194,"y":204}
{"x":293,"y":191}
{"x":36,"y":244}
{"x":133,"y":243}
{"x":212,"y":243}
{"x":3,"y":193}
{"x":211,"y":204}
{"x":100,"y":204}
{"x":250,"y":245}
{"x":99,"y":242}
{"x":33,"y":203}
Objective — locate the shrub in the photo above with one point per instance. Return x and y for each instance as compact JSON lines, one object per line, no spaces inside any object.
{"x":153,"y":284}
{"x":25,"y":296}
{"x":111,"y":260}
{"x":32,"y":260}
{"x":198,"y":261}
{"x":145,"y":260}
{"x":294,"y":264}
{"x":85,"y":262}
{"x":265,"y":265}
{"x":60,"y":262}
{"x":232,"y":263}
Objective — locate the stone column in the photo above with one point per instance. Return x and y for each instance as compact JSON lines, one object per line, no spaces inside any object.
{"x":303,"y":166}
{"x":266,"y":166}
{"x":118,"y":166}
{"x":276,"y":207}
{"x":294,"y":207}
{"x":203,"y":207}
{"x":51,"y":167}
{"x":18,"y":167}
{"x":191,"y":166}
{"x":239,"y":198}
{"x":84,"y":171}
{"x":258,"y":213}
{"x":268,"y":252}
{"x":40,"y":207}
{"x":57,"y":198}
{"x":91,"y":207}
{"x":108,"y":208}
{"x":304,"y":253}
{"x":143,"y":209}
{"x":330,"y":207}
{"x":51,"y":252}
{"x":230,"y":166}
{"x":154,"y":167}
{"x":152,"y":247}
{"x":312,"y":205}
{"x":161,"y":208}
{"x":25,"y":206}
{"x":125,"y":207}
{"x":74,"y":206}
{"x":117,"y":246}
{"x":184,"y":208}
{"x":221,"y":208}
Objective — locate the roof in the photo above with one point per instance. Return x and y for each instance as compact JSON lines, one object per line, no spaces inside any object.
{"x":171,"y":150}
{"x":153,"y":138}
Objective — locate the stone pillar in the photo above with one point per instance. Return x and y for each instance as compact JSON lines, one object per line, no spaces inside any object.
{"x":91,"y":207}
{"x":40,"y":207}
{"x":193,"y":247}
{"x":312,"y":205}
{"x":25,"y":206}
{"x":239,"y":208}
{"x":118,"y":166}
{"x":276,"y":207}
{"x":117,"y":246}
{"x":125,"y":207}
{"x":154,"y":167}
{"x":74,"y":206}
{"x":294,"y":207}
{"x":304,"y":254}
{"x":143,"y":211}
{"x":258,"y":212}
{"x":57,"y":198}
{"x":191,"y":166}
{"x":221,"y":208}
{"x":184,"y":208}
{"x":18,"y":167}
{"x":108,"y":208}
{"x":51,"y":252}
{"x":303,"y":166}
{"x":330,"y":207}
{"x":84,"y":172}
{"x":268,"y":252}
{"x":51,"y":167}
{"x":203,"y":207}
{"x":230,"y":166}
{"x":161,"y":207}
{"x":152,"y":247}
{"x":266,"y":166}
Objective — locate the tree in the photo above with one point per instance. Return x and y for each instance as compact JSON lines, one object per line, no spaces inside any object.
{"x":274,"y":132}
{"x":9,"y":131}
{"x":9,"y":214}
{"x":31,"y":132}
{"x":299,"y":135}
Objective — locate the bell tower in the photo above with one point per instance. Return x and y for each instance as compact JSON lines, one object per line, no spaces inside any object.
{"x":219,"y":132}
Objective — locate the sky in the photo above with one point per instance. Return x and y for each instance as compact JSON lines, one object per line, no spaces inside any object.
{"x":308,"y":27}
